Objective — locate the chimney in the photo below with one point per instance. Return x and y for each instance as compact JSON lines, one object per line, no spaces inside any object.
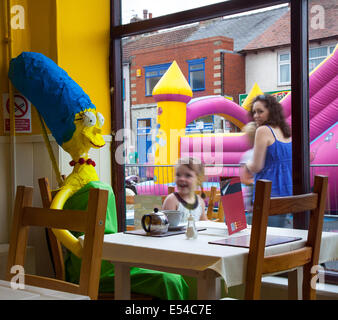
{"x":150,"y":15}
{"x":145,"y":14}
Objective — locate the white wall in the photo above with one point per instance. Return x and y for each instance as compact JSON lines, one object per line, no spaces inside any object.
{"x":262,"y":67}
{"x":32,"y":163}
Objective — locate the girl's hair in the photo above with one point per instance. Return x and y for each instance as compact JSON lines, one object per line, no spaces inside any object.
{"x":250,"y":130}
{"x":276,"y":115}
{"x":195,"y":165}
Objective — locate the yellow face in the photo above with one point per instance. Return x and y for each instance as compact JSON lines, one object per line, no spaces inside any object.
{"x":87,"y":133}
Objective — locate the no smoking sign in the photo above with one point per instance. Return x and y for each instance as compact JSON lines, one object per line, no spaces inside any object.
{"x":22,"y":107}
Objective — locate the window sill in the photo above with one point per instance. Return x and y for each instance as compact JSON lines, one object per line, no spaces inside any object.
{"x":286,"y":84}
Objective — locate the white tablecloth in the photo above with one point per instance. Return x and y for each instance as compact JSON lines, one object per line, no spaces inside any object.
{"x":178,"y":252}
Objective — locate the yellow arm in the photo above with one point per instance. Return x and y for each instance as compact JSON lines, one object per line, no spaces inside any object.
{"x":67,"y":239}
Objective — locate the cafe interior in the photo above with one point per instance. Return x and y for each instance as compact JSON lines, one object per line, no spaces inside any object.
{"x":59,"y":75}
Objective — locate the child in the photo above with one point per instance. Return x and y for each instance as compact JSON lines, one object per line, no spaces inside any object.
{"x":246,"y":177}
{"x":189,"y":174}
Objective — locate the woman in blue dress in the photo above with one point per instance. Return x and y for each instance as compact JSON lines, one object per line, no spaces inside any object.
{"x":272,"y":157}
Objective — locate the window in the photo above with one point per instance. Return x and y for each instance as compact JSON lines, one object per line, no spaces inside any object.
{"x":284,"y":68}
{"x":197,"y":74}
{"x":316,"y":56}
{"x":152,"y":75}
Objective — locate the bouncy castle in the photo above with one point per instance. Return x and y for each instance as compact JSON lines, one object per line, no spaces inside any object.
{"x":176,"y":109}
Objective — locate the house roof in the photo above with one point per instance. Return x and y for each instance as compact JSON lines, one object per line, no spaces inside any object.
{"x":278,"y":34}
{"x":242,"y":29}
{"x":156,"y":39}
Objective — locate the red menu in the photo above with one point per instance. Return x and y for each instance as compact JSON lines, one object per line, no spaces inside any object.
{"x":233,"y":204}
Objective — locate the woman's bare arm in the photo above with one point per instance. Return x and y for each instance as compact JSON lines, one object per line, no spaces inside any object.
{"x":262,"y":139}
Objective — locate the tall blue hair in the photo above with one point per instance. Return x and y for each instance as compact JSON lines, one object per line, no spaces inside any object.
{"x":49,"y":88}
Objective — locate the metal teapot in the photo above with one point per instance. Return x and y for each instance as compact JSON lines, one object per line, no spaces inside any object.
{"x":155,"y":222}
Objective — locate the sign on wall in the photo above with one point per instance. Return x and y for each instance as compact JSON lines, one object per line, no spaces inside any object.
{"x":278,"y":94}
{"x":23,"y":118}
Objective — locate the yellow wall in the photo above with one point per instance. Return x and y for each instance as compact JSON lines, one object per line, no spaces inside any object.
{"x":39,"y":35}
{"x":83,"y":49}
{"x":75,"y":34}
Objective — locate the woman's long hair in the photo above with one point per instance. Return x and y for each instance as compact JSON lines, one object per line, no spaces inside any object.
{"x":276,"y":115}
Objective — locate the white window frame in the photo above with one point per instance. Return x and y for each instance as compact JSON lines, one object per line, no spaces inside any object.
{"x":329,"y":47}
{"x":280,"y":63}
{"x":324,"y":57}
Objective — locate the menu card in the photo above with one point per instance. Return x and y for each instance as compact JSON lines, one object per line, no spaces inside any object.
{"x":145,"y":205}
{"x":233,"y":204}
{"x":244,"y":241}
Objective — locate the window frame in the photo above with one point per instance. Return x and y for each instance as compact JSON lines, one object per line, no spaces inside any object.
{"x":329,"y":50}
{"x":153,"y":68}
{"x":328,"y":47}
{"x":279,"y":82}
{"x":299,"y":76}
{"x":194,"y":62}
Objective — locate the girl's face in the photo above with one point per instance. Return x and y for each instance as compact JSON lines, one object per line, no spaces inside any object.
{"x":186,"y":180}
{"x":260,"y":113}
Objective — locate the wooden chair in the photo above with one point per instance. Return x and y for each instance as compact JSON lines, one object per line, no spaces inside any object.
{"x":213,"y":197}
{"x":264,"y":206}
{"x":56,"y":246}
{"x":91,"y":222}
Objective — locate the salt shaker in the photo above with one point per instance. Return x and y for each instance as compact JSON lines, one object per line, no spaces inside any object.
{"x":191,"y":232}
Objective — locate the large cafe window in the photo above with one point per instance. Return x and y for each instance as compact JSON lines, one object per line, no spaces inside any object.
{"x":204,"y":79}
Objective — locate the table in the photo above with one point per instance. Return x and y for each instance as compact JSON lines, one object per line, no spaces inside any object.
{"x":197,"y":258}
{"x":35,"y":293}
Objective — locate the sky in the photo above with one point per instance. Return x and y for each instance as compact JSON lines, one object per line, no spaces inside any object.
{"x":161,"y":7}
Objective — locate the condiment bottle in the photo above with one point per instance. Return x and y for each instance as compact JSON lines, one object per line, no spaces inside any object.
{"x":191,"y":232}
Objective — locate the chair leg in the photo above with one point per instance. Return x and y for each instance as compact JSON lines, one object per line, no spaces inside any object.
{"x":295,"y":280}
{"x":309,"y":283}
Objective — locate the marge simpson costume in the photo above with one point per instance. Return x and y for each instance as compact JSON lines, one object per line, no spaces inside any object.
{"x":76,"y":126}
{"x":70,"y":116}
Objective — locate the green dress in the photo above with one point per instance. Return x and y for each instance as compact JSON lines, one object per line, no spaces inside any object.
{"x":154,"y":283}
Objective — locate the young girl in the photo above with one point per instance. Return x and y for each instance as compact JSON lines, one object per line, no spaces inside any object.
{"x":189,"y":174}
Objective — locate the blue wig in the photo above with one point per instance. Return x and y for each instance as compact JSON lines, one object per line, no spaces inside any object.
{"x":49,"y":88}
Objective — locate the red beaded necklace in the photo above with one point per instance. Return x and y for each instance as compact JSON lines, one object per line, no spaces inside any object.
{"x":83,"y":161}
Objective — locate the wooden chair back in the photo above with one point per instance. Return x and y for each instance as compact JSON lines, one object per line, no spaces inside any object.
{"x":308,"y":256}
{"x":90,"y":222}
{"x":57,"y":254}
{"x":131,"y":199}
{"x":53,"y":243}
{"x":214,"y":196}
